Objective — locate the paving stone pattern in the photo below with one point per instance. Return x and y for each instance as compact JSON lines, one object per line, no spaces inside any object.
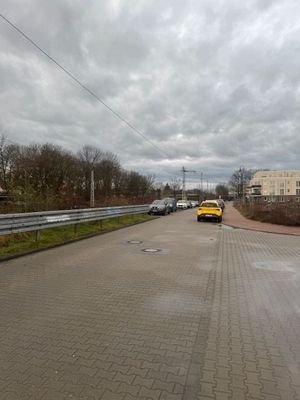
{"x":253,"y":346}
{"x":214,"y":315}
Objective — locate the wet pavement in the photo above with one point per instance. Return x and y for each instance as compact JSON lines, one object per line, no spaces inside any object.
{"x":214,"y":314}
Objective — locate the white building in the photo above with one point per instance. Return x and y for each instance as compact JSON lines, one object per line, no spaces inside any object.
{"x":272,"y":184}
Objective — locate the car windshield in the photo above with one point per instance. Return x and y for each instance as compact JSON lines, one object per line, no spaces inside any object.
{"x":209,"y":205}
{"x":158,"y":202}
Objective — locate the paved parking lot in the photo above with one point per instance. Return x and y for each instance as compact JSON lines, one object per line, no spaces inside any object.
{"x":215,"y":314}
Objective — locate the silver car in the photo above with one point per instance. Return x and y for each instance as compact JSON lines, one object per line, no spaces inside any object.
{"x":182,"y":204}
{"x":159,"y":207}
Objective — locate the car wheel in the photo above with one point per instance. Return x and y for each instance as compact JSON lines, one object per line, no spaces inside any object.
{"x":220,"y":219}
{"x":198,"y":218}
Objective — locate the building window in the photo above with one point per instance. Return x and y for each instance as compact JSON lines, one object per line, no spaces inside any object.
{"x":297,"y":192}
{"x":298,"y":183}
{"x":281,"y":191}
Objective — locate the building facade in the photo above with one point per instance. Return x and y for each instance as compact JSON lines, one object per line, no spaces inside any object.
{"x":275,"y":185}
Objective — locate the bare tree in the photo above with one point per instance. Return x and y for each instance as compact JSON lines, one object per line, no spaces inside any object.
{"x":239,"y":180}
{"x":222,"y":190}
{"x":175,"y":185}
{"x":106,"y":172}
{"x":47,"y":176}
{"x":8,"y":153}
{"x":88,"y":156}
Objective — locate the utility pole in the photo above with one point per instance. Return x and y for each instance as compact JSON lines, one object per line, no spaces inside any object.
{"x":184,"y":171}
{"x":92,"y":193}
{"x":201,"y":182}
{"x":183,"y":183}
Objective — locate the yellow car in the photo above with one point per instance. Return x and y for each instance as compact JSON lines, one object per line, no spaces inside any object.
{"x":209,"y":209}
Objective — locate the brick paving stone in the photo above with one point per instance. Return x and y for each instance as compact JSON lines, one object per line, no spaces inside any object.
{"x":150,"y":393}
{"x":204,"y":319}
{"x":90,"y":392}
{"x":53,"y":394}
{"x":223,"y":396}
{"x":170,"y":396}
{"x":108,"y":395}
{"x":145,"y":382}
{"x":130,"y":397}
{"x":129,"y":389}
{"x":163,"y":386}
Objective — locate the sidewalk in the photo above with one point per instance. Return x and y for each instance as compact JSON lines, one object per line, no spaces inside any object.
{"x":233,"y":218}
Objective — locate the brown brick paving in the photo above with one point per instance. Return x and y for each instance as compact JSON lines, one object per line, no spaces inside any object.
{"x":214,"y":315}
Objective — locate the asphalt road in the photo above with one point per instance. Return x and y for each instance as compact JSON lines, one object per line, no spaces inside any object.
{"x":214,"y":314}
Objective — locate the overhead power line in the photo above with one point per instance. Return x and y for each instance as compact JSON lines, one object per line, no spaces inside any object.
{"x":83,"y":86}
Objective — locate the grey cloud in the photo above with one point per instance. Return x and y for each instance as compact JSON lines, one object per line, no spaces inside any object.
{"x":215,"y":85}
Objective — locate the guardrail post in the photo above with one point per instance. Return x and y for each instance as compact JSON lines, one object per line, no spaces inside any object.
{"x":100,"y":224}
{"x":37,"y":235}
{"x":75,"y":228}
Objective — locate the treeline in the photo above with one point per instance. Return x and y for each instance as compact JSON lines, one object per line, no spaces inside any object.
{"x":46,"y":176}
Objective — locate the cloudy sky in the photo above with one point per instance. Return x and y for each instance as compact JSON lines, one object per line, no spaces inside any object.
{"x":214,"y":85}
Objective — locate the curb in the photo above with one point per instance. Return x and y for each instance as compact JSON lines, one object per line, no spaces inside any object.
{"x":261,"y":230}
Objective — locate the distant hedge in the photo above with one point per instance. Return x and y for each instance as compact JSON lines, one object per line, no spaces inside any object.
{"x":275,"y":213}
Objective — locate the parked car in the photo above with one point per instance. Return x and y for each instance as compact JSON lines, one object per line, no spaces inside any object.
{"x":189,"y":203}
{"x":221,"y":203}
{"x":159,"y":207}
{"x":194,"y":203}
{"x":182,"y":204}
{"x":209,"y":209}
{"x":172,"y":203}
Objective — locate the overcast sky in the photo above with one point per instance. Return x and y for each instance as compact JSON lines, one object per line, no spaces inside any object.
{"x":213,"y":84}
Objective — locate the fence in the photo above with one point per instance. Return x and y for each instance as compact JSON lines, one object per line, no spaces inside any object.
{"x":36,"y":221}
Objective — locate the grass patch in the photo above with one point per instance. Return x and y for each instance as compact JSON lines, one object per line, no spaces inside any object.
{"x":26,"y":242}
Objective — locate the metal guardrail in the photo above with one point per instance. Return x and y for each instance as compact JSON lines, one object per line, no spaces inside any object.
{"x":36,"y":221}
